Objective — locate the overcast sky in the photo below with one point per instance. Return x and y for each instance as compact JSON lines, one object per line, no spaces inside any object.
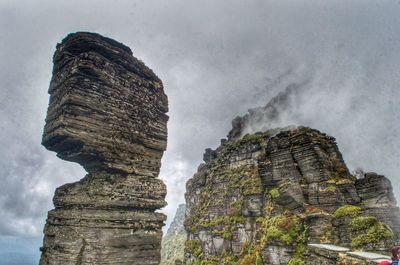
{"x":217,"y":59}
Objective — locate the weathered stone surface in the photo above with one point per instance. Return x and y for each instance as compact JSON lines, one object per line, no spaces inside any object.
{"x":106,"y":112}
{"x":378,"y":200}
{"x":262,"y":198}
{"x":107,"y":109}
{"x":105,"y":190}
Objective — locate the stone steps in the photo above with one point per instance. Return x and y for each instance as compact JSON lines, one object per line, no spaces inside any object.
{"x":332,"y":254}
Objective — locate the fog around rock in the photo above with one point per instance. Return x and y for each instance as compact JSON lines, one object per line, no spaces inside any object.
{"x":216,"y":60}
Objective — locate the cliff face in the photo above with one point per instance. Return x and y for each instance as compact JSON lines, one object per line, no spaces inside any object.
{"x":173,"y":243}
{"x":176,"y":227}
{"x":107,"y":113}
{"x":263,"y":198}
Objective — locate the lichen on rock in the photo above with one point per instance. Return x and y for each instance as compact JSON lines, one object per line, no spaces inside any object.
{"x":262,"y":198}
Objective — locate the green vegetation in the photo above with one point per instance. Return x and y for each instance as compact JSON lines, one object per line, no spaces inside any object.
{"x":228,"y":259}
{"x":253,"y":138}
{"x":287,"y":229}
{"x":243,"y":180}
{"x":363,"y":222}
{"x":339,"y":180}
{"x":223,"y":225}
{"x":274,"y":193}
{"x":347,"y":210}
{"x":367,"y":229}
{"x":330,"y":188}
{"x":155,"y":84}
{"x":249,"y":139}
{"x":172,"y":248}
{"x":250,"y":256}
{"x":283,"y":228}
{"x":193,"y":247}
{"x":340,"y":173}
{"x":370,"y":231}
{"x":252,"y":183}
{"x":236,"y":207}
{"x":229,"y":187}
{"x":233,"y":146}
{"x":298,"y":258}
{"x":252,"y":259}
{"x":296,"y":261}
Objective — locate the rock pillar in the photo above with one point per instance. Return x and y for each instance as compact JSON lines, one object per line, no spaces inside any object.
{"x":107,"y":112}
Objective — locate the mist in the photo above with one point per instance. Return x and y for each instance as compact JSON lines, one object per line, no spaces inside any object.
{"x":217,"y":59}
{"x":358,"y":107}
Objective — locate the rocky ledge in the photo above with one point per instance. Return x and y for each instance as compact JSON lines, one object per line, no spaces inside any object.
{"x":107,"y":112}
{"x":263,"y":198}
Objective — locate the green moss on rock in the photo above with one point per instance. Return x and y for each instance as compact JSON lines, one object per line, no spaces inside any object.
{"x":194,"y":247}
{"x":330,"y":189}
{"x":274,"y":193}
{"x":370,"y":231}
{"x":347,"y":210}
{"x":283,"y":228}
{"x":296,"y":261}
{"x":363,"y":222}
{"x":253,"y":257}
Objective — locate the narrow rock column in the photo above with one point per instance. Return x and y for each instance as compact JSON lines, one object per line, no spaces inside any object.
{"x":107,"y":113}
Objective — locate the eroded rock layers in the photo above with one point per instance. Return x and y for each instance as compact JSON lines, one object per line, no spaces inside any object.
{"x":263,"y":198}
{"x":107,"y":112}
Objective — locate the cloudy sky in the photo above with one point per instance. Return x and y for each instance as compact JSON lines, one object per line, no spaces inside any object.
{"x":217,"y":59}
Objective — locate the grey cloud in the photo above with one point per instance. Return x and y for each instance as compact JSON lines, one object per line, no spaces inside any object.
{"x":217,"y":59}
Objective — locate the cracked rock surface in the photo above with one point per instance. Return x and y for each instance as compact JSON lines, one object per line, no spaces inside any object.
{"x":262,"y":198}
{"x":107,"y":112}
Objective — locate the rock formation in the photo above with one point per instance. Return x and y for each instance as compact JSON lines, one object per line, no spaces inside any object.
{"x":262,"y":198}
{"x":107,"y":113}
{"x":176,"y":227}
{"x":173,"y":242}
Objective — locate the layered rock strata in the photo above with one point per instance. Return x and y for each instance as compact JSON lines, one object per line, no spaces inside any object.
{"x":107,"y":112}
{"x":263,"y":198}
